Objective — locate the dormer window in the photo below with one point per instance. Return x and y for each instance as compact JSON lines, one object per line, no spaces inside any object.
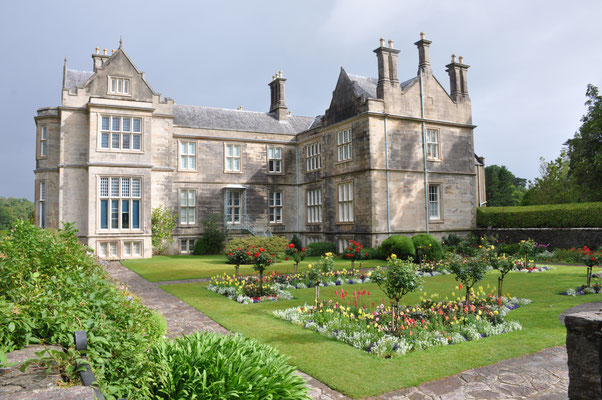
{"x":119,"y":86}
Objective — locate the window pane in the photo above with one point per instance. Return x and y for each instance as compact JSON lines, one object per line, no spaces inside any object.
{"x":105,"y":123}
{"x":115,"y":187}
{"x":136,"y":142}
{"x":183,"y":198}
{"x":125,"y":141}
{"x":183,"y":148}
{"x":104,"y":187}
{"x":125,"y":214}
{"x":191,"y":215}
{"x":127,"y":248}
{"x":114,"y":214}
{"x":229,"y":150}
{"x":125,"y":187}
{"x":136,"y":248}
{"x":236,"y":164}
{"x":236,"y":151}
{"x":270,"y":152}
{"x":136,"y":187}
{"x":116,"y":123}
{"x":104,"y":140}
{"x":104,"y":217}
{"x":126,"y":86}
{"x":228,"y":164}
{"x":113,"y":249}
{"x":136,"y":214}
{"x":137,"y":125}
{"x":183,"y":246}
{"x":191,"y":149}
{"x":191,"y":198}
{"x":102,"y":250}
{"x":113,"y":85}
{"x":183,"y":216}
{"x":191,"y":162}
{"x":115,"y":141}
{"x":127,"y":124}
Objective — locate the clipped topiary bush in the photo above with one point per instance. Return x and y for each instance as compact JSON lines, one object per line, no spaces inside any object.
{"x":318,"y":249}
{"x":572,"y":215}
{"x":273,"y":245}
{"x":427,"y":247}
{"x":215,"y":366}
{"x":401,"y":246}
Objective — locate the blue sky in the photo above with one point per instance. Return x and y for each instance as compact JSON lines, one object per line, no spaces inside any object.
{"x":530,"y":61}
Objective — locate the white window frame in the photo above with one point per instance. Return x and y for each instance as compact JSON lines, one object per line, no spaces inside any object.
{"x":345,"y":212}
{"x":231,"y":158}
{"x":187,"y":245}
{"x":275,"y":209}
{"x":229,"y":212}
{"x":313,"y":156}
{"x":118,"y":132}
{"x":432,"y":144}
{"x":314,"y":206}
{"x":127,"y":190}
{"x":344,"y":145}
{"x":43,"y":141}
{"x":107,"y":249}
{"x":131,"y":248}
{"x":42,"y":203}
{"x":188,"y":160}
{"x":275,"y":163}
{"x":119,"y":85}
{"x":434,"y":207}
{"x":187,"y":207}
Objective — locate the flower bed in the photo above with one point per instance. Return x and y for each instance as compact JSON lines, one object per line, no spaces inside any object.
{"x":541,"y":268}
{"x":243,"y":289}
{"x":431,"y":323}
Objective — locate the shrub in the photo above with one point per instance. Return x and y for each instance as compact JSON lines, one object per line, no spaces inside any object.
{"x":511,"y":249}
{"x":52,"y":287}
{"x":354,"y":251}
{"x":451,"y":241}
{"x":273,"y":245}
{"x":214,"y":236}
{"x":163,"y":222}
{"x":427,"y":247}
{"x":569,"y":256}
{"x":468,"y":270}
{"x":318,"y":249}
{"x":572,"y":215}
{"x":214,"y":366}
{"x":401,"y":246}
{"x":373,"y":254}
{"x":296,"y":241}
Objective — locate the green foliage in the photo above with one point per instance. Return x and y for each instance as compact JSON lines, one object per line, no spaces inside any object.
{"x":297,"y":254}
{"x":163,"y":222}
{"x":509,"y":248}
{"x":262,"y":259}
{"x":317,"y":273}
{"x":401,"y":246}
{"x":214,"y":236}
{"x":318,"y":249}
{"x":468,"y":270}
{"x":12,"y":209}
{"x":451,"y":240}
{"x":585,"y":149}
{"x":576,"y":215}
{"x":354,"y":251}
{"x":273,"y":244}
{"x":296,"y":241}
{"x":555,"y":185}
{"x":427,"y":247}
{"x":502,"y":187}
{"x":50,"y":287}
{"x":373,"y":254}
{"x":214,"y":366}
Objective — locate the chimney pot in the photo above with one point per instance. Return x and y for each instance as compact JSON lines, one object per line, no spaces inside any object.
{"x":390,"y":44}
{"x":453,"y":58}
{"x":422,"y":35}
{"x":104,"y":51}
{"x":461,"y":59}
{"x":112,"y":51}
{"x":382,"y":42}
{"x":98,"y":50}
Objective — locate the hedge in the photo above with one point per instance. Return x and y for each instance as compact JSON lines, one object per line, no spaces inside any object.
{"x":273,"y":244}
{"x":572,"y":215}
{"x":318,"y":249}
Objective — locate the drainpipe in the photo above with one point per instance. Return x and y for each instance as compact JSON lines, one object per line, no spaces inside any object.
{"x":387,"y":167}
{"x":297,"y":180}
{"x":426,"y":178}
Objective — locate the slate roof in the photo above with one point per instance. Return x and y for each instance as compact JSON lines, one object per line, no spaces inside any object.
{"x":365,"y":86}
{"x":239,"y":120}
{"x":75,"y":78}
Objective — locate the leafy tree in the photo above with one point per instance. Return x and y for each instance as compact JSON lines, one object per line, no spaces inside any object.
{"x":214,"y":236}
{"x":554,"y":186}
{"x":238,"y":257}
{"x":468,"y":270}
{"x":163,"y":222}
{"x":585,"y":149}
{"x":12,"y":209}
{"x":502,"y":187}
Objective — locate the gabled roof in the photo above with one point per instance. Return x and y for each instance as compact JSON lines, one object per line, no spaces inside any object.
{"x":75,"y":78}
{"x":365,"y":86}
{"x":239,"y":120}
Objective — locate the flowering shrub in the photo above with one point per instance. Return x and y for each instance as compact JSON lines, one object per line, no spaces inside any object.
{"x":590,"y":258}
{"x":502,"y":263}
{"x":428,"y":324}
{"x":292,"y":252}
{"x":238,"y":257}
{"x":261,"y":260}
{"x":354,"y":251}
{"x":469,"y":270}
{"x":320,"y":271}
{"x":527,"y":249}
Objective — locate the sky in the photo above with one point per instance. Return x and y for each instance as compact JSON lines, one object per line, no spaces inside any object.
{"x":530,"y":61}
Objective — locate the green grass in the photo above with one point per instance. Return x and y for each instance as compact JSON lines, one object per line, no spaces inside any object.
{"x":166,"y":268}
{"x":359,"y":374}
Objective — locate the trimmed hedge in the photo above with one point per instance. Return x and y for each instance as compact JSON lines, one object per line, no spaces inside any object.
{"x":273,"y":244}
{"x":572,"y":215}
{"x":318,"y":249}
{"x":401,"y":246}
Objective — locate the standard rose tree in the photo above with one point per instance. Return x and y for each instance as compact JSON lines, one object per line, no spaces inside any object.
{"x":354,"y":251}
{"x":261,"y":261}
{"x":239,"y":257}
{"x":317,"y":273}
{"x":293,"y":253}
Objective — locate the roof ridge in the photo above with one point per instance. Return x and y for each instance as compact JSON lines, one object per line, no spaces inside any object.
{"x":234,"y":110}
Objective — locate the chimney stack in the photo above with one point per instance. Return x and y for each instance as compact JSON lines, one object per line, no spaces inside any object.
{"x":458,"y":79}
{"x":424,"y":62}
{"x":278,"y":103}
{"x":388,"y":80}
{"x":98,"y":59}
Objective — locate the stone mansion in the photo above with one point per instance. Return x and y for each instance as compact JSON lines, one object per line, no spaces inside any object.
{"x":387,"y":157}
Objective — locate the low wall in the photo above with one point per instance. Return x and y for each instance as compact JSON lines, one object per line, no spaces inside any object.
{"x":563,"y":238}
{"x":583,"y":344}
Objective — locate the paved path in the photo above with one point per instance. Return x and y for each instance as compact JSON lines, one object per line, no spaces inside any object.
{"x":539,"y":376}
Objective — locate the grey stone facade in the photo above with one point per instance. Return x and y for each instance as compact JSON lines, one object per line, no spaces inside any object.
{"x":115,"y":149}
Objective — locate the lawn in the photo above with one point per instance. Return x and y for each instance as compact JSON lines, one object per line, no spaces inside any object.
{"x":359,"y":374}
{"x":167,"y":268}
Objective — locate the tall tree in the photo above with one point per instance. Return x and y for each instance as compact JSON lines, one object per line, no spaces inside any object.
{"x":502,"y":187}
{"x":12,"y":209}
{"x":554,"y":186}
{"x":585,"y":149}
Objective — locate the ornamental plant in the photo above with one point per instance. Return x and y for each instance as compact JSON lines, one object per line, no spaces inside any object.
{"x":292,"y":252}
{"x":238,"y":257}
{"x":163,"y":222}
{"x":503,"y":264}
{"x":262,"y":260}
{"x":527,"y":249}
{"x":397,"y":280}
{"x":590,"y":258}
{"x":318,"y":273}
{"x":469,"y":271}
{"x":354,"y":251}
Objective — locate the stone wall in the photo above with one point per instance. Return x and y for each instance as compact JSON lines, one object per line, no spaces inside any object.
{"x":583,"y":344}
{"x":562,"y":238}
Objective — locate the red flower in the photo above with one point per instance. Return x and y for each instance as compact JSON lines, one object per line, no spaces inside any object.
{"x":230,"y":254}
{"x":499,"y":301}
{"x":366,"y":254}
{"x":460,"y":286}
{"x":302,"y":248}
{"x":286,"y":259}
{"x":256,"y":254}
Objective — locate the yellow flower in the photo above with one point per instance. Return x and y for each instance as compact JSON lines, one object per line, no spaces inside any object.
{"x":328,"y":254}
{"x":495,"y":312}
{"x":309,"y":266}
{"x":393,"y":256}
{"x":478,"y":317}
